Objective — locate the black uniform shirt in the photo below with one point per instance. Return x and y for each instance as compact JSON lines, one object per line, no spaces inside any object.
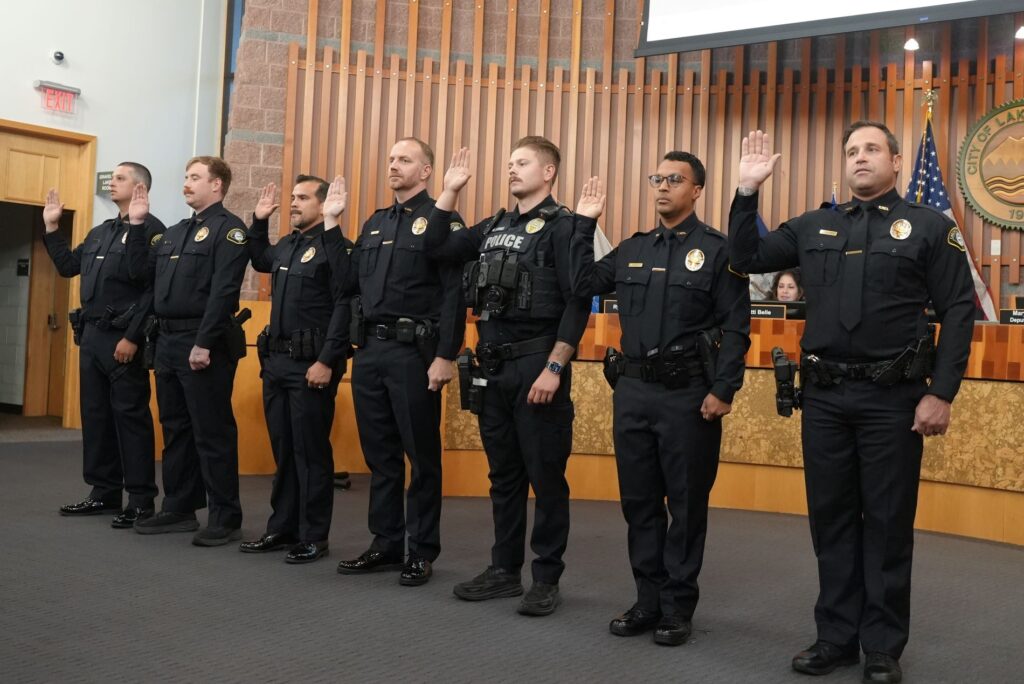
{"x":914,"y":254}
{"x":553,"y":240}
{"x":309,"y":270}
{"x":108,"y":279}
{"x":396,"y":279}
{"x":671,"y":283}
{"x":197,"y":269}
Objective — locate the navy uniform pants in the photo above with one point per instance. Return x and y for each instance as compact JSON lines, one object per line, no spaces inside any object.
{"x":397,"y":415}
{"x":862,"y":464}
{"x":117,"y":426}
{"x":299,"y":420}
{"x":528,"y":445}
{"x":664,"y":449}
{"x":200,"y":435}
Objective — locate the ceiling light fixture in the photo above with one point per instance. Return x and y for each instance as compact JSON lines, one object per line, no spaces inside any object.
{"x":911,"y":44}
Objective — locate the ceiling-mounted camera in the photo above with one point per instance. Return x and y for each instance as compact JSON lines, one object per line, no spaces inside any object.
{"x":57,"y":56}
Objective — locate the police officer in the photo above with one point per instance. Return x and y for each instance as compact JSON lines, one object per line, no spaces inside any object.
{"x":410,"y":323}
{"x":530,"y":325}
{"x":685,"y":318}
{"x":869,"y":269}
{"x":117,"y":427}
{"x":198,"y":267}
{"x":303,"y":353}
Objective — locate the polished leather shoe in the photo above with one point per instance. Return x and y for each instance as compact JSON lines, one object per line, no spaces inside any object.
{"x":167,"y":521}
{"x":823,"y":657}
{"x":371,"y":561}
{"x":672,"y":631}
{"x":634,"y":621}
{"x":491,"y":583}
{"x":542,"y":599}
{"x":214,"y":535}
{"x":89,"y":507}
{"x":271,"y":541}
{"x":128,"y":516}
{"x":881,"y":667}
{"x":306,"y":552}
{"x":416,"y":571}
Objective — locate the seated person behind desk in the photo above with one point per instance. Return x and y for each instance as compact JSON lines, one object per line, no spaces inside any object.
{"x":786,"y":286}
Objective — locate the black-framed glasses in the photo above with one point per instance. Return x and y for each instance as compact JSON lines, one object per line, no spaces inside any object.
{"x":674,"y":181}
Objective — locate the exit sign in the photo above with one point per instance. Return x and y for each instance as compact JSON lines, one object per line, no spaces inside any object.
{"x":57,"y":97}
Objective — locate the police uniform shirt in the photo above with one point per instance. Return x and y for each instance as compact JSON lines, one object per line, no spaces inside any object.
{"x":198,"y":267}
{"x":396,"y":279}
{"x":913,"y":254}
{"x":543,"y":234}
{"x":309,"y":270}
{"x":671,"y":283}
{"x":108,"y":278}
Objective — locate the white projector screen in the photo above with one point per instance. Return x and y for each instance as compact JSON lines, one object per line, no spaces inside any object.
{"x":680,"y":26}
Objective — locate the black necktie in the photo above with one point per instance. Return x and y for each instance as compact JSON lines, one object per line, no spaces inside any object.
{"x":852,"y":291}
{"x":281,"y":284}
{"x":374,"y":292}
{"x":175,"y":256}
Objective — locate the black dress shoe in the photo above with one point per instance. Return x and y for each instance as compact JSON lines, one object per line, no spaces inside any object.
{"x":542,"y":599}
{"x":371,"y":561}
{"x":271,"y":541}
{"x":491,"y":583}
{"x":672,"y":631}
{"x":823,"y":657}
{"x":128,"y":516}
{"x":881,"y":667}
{"x":89,"y":507}
{"x":416,"y":571}
{"x":215,"y":535}
{"x":634,"y":621}
{"x":167,"y":521}
{"x":306,"y":552}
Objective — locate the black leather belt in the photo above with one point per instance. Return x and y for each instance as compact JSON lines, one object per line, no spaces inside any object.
{"x":180,"y":324}
{"x":513,"y":350}
{"x":850,"y":371}
{"x":649,"y":371}
{"x":389,"y":331}
{"x":279,"y":345}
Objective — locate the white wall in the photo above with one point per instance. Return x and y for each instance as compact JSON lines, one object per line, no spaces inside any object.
{"x":151,"y":75}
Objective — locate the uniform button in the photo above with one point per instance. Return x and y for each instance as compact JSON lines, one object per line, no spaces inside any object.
{"x":893,"y":250}
{"x":689,"y":282}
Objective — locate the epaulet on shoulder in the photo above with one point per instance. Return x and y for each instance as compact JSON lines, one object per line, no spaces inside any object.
{"x":715,"y":232}
{"x":556,"y":211}
{"x":921,"y":205}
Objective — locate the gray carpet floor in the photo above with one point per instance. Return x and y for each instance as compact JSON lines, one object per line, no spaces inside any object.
{"x":82,"y":602}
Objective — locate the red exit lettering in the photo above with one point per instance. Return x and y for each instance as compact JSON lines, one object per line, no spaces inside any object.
{"x":58,"y":101}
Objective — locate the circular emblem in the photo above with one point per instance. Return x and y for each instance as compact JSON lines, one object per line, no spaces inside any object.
{"x":308,"y":254}
{"x":955,"y":239}
{"x":535,"y":226}
{"x":419,"y":226}
{"x":900,"y":229}
{"x":991,"y":166}
{"x":201,"y":234}
{"x":694,"y":260}
{"x":455,"y":225}
{"x":124,"y":238}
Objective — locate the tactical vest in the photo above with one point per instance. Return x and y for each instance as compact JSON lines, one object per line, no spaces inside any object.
{"x":515,"y":277}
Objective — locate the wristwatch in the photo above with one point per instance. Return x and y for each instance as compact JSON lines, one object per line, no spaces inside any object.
{"x":553,"y":366}
{"x":745,"y":191}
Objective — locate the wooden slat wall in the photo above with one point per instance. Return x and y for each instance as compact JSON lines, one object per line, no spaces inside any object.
{"x":343,"y":117}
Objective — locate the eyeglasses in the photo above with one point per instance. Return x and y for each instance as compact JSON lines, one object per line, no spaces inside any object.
{"x":674,"y":181}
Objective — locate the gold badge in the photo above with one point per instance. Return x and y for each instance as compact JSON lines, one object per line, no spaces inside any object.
{"x":155,"y":239}
{"x":124,"y":238}
{"x":308,"y":255}
{"x":535,"y":226}
{"x":201,"y":234}
{"x":455,"y":225}
{"x":419,"y":226}
{"x":900,"y":229}
{"x":694,"y":260}
{"x":235,"y":235}
{"x":956,"y":239}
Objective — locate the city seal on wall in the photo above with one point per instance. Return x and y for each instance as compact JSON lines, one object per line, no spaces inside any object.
{"x":991,"y":166}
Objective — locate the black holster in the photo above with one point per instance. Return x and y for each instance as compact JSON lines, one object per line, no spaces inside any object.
{"x":150,"y":329}
{"x":612,"y":366}
{"x":427,"y":339}
{"x":356,"y":331}
{"x":471,"y":382}
{"x":787,"y":394}
{"x":708,"y":344}
{"x":234,"y":337}
{"x":77,"y":322}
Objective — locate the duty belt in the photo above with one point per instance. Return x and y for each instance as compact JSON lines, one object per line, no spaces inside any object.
{"x":387,"y":331}
{"x":649,"y":371}
{"x":850,"y":371}
{"x":172,"y":325}
{"x":279,"y":345}
{"x":104,"y":323}
{"x":492,"y":352}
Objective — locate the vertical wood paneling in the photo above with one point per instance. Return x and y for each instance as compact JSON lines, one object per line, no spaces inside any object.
{"x":770,"y":104}
{"x":440,"y":138}
{"x":412,"y":35}
{"x":326,"y":98}
{"x":617,"y":229}
{"x":422,"y":131}
{"x":392,"y":117}
{"x":474,"y":109}
{"x":543,"y":86}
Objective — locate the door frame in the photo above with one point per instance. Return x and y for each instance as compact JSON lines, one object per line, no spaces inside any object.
{"x":78,"y":195}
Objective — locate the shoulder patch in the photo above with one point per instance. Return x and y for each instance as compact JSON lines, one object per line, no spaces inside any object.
{"x":456,"y":225}
{"x":955,"y":239}
{"x":237,"y":236}
{"x":155,"y":239}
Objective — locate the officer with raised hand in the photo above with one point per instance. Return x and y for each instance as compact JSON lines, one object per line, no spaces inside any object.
{"x":517,"y":280}
{"x":408,"y":325}
{"x":303,"y":354}
{"x":197,"y":272}
{"x":117,"y":426}
{"x":869,"y":269}
{"x":685,"y":318}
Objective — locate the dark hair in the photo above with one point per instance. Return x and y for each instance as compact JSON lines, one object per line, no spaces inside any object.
{"x":321,"y":185}
{"x":794,"y":273}
{"x":544,"y":148}
{"x":428,"y":152}
{"x":141,"y":173}
{"x":894,"y":144}
{"x":217,"y":167}
{"x":699,"y":174}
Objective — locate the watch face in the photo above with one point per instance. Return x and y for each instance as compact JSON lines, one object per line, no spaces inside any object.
{"x":554,"y":367}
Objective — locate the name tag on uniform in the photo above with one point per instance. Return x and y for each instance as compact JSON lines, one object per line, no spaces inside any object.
{"x":826,"y":231}
{"x":657,"y":269}
{"x":387,"y":242}
{"x":636,"y":264}
{"x":100,"y":256}
{"x":374,"y":232}
{"x":283,"y":268}
{"x":174,"y":256}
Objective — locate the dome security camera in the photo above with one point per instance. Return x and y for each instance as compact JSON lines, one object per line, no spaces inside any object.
{"x":57,"y":57}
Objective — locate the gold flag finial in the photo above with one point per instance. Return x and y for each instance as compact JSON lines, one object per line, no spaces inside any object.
{"x":930,"y":97}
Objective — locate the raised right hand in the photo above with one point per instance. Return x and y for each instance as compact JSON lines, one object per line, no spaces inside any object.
{"x":459,"y":172}
{"x":756,"y":159}
{"x":138,"y":210}
{"x":334,"y":205}
{"x":266,"y":204}
{"x":52,"y":211}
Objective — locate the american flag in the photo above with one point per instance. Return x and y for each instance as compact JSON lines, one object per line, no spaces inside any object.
{"x":926,"y":187}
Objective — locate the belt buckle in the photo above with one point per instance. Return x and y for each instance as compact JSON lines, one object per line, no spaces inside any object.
{"x":380,"y":331}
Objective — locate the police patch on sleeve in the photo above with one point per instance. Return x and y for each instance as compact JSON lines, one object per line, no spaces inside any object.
{"x":237,"y":236}
{"x":455,"y":225}
{"x":956,"y":239}
{"x":155,"y":239}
